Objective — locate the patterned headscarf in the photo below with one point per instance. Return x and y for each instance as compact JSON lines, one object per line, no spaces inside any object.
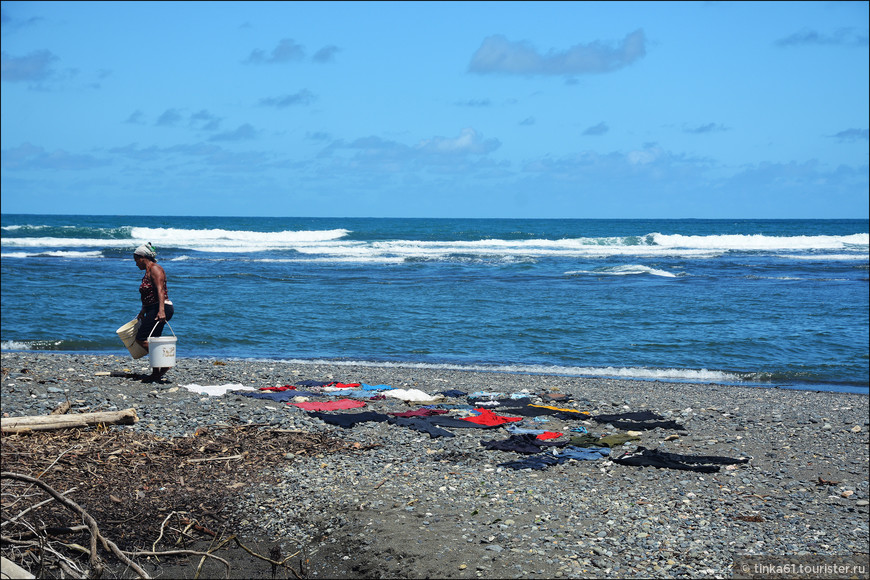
{"x":146,"y":251}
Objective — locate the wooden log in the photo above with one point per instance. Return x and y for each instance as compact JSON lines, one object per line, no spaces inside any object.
{"x":50,"y":422}
{"x":10,"y":569}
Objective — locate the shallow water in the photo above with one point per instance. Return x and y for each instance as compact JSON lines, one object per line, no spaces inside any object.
{"x":769,"y":302}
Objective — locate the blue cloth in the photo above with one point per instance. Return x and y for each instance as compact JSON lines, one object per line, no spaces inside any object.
{"x":517,"y":430}
{"x":361,"y":394}
{"x":278,"y":397}
{"x":366,"y":387}
{"x":584,"y":453}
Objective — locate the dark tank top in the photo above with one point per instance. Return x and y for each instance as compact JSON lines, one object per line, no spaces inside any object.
{"x":149,"y":292}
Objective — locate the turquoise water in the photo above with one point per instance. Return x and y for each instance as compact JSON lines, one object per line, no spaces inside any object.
{"x":767,"y":302}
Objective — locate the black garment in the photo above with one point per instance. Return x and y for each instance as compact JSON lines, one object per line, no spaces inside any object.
{"x":348,"y":420}
{"x":311,"y":384}
{"x":529,"y":411}
{"x":522,"y":443}
{"x":540,"y":462}
{"x":458,"y":423}
{"x":662,"y":459}
{"x":420,"y":424}
{"x":452,"y":393}
{"x":636,"y":416}
{"x":638,"y":421}
{"x":278,"y":397}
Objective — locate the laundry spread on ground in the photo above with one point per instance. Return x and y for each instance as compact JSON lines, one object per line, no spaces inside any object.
{"x":422,"y":425}
{"x":638,"y":421}
{"x":560,"y":409}
{"x":487,"y":417}
{"x":409,"y":395}
{"x":525,"y":443}
{"x":348,"y":420}
{"x":662,"y":459}
{"x":279,"y":397}
{"x":420,"y":413}
{"x":329,"y":405}
{"x":334,"y":403}
{"x":216,"y":390}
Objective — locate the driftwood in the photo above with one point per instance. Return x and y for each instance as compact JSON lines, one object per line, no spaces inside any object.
{"x":50,"y":422}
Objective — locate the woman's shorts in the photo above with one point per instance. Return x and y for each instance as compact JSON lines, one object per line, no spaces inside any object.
{"x":149,"y":321}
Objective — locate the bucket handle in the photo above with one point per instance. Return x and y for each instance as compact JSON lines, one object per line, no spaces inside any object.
{"x":155,"y":326}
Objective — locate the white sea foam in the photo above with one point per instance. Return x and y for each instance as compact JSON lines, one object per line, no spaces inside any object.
{"x":638,"y":373}
{"x":218,"y":240}
{"x":53,"y":254}
{"x":334,"y":245}
{"x":14,"y":345}
{"x":760,"y":242}
{"x":826,"y":257}
{"x":626,"y":270}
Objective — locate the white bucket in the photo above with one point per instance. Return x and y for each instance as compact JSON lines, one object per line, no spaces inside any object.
{"x":162,"y":349}
{"x":127,"y":334}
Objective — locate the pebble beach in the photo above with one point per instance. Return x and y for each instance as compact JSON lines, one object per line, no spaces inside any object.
{"x":416,"y":505}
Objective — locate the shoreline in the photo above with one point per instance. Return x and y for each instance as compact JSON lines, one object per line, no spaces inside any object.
{"x":415,"y":506}
{"x":662,"y":375}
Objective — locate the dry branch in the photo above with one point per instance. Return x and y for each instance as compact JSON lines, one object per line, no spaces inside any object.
{"x":90,"y":521}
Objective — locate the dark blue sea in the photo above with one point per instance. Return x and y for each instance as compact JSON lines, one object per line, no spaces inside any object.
{"x":775,"y":303}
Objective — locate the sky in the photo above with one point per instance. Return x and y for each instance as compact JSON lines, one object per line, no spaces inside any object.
{"x":436,"y":109}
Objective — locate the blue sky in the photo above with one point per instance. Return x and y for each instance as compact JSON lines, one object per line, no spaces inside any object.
{"x":436,"y":109}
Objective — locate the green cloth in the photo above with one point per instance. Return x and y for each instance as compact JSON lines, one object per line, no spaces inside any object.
{"x":618,"y":439}
{"x":584,"y":440}
{"x":589,"y":440}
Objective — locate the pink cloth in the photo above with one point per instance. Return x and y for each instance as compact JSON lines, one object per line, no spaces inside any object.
{"x":330,"y":405}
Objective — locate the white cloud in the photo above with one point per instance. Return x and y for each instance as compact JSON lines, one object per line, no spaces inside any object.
{"x":497,"y":54}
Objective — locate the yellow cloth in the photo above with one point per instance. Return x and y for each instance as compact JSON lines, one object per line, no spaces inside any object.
{"x":560,"y":409}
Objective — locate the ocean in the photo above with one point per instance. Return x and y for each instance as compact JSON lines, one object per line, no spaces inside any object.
{"x":768,"y":303}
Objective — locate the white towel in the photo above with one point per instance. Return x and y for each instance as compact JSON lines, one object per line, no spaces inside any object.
{"x":217,"y":390}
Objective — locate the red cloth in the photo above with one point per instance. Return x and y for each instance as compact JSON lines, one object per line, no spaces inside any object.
{"x":345,"y":385}
{"x":549,"y":435}
{"x":489,"y":418}
{"x":278,"y":389}
{"x":330,"y":405}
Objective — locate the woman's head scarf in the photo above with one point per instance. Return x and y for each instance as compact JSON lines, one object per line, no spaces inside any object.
{"x":146,"y":251}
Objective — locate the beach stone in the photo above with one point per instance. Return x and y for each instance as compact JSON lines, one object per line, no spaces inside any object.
{"x":354,"y":507}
